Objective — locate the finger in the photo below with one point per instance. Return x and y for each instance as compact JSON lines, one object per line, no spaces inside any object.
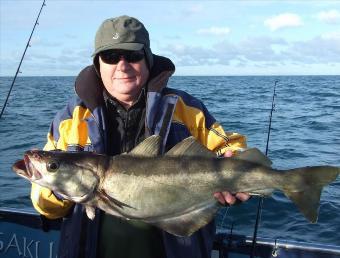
{"x":219,"y":197}
{"x":242,"y":196}
{"x":228,"y":154}
{"x":229,"y":198}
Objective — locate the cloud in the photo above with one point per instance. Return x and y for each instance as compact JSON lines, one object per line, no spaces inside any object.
{"x":257,"y":49}
{"x":283,"y":20}
{"x":78,"y":57}
{"x":215,"y":31}
{"x":67,"y":61}
{"x":173,"y":37}
{"x":70,"y":36}
{"x":328,"y":50}
{"x":37,"y":41}
{"x":190,"y":56}
{"x":260,"y":51}
{"x":194,"y":9}
{"x":41,"y":57}
{"x":331,"y":16}
{"x":331,"y":35}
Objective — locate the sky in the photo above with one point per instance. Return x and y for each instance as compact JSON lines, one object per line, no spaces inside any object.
{"x":201,"y":37}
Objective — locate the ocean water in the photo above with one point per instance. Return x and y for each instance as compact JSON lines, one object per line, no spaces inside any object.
{"x":305,"y":132}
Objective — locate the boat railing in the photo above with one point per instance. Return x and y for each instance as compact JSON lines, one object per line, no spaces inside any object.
{"x":24,"y":233}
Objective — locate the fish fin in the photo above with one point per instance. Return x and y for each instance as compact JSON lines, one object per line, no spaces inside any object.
{"x":254,"y":155}
{"x":187,"y":223}
{"x":150,"y":147}
{"x":262,"y":193}
{"x":90,"y":212}
{"x":108,"y":199}
{"x":307,"y":201}
{"x":311,"y":180}
{"x":190,"y":147}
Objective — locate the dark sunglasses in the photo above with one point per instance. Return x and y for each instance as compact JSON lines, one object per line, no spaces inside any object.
{"x":114,"y":56}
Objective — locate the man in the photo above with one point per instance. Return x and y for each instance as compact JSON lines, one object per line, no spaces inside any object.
{"x":121,"y":99}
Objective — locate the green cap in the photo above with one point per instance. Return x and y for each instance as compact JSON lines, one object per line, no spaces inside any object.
{"x":123,"y":32}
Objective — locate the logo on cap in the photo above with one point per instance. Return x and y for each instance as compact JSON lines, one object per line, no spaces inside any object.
{"x":115,"y":36}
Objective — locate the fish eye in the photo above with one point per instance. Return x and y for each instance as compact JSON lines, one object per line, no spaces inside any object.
{"x":52,"y":166}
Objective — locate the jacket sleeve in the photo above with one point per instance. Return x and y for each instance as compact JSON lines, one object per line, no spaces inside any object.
{"x":43,"y":199}
{"x":202,"y":125}
{"x":69,"y":128}
{"x":220,"y":141}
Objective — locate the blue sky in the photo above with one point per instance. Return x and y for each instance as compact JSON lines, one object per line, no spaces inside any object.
{"x":201,"y":37}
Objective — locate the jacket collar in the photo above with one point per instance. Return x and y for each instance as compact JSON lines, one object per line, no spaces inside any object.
{"x":89,"y":87}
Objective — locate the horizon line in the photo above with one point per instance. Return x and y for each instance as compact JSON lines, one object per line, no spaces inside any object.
{"x":192,"y":75}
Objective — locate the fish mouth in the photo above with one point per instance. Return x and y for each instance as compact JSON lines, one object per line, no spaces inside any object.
{"x":19,"y":167}
{"x":26,"y":169}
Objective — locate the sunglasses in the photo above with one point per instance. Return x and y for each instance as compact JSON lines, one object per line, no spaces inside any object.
{"x":114,"y":56}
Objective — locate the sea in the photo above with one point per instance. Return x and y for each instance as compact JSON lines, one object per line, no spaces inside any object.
{"x":305,"y":131}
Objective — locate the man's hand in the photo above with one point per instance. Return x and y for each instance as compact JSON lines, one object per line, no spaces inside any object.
{"x":226,"y":197}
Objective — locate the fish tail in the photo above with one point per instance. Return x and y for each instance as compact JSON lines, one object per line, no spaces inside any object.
{"x":304,"y":186}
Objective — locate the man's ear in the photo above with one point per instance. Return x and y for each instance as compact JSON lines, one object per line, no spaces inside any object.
{"x":96,"y":65}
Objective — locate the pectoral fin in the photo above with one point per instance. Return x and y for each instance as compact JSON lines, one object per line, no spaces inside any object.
{"x":187,"y":223}
{"x":90,"y":212}
{"x":112,"y":201}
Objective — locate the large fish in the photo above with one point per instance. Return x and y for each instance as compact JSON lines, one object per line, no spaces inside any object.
{"x":173,"y":191}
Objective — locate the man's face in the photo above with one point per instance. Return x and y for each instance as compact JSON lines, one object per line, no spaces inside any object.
{"x":123,"y":74}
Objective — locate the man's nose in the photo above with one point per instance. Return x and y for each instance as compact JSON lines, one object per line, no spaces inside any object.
{"x":122,"y":63}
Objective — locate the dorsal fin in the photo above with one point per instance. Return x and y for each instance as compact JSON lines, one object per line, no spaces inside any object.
{"x":150,"y":147}
{"x":190,"y":147}
{"x":254,"y":155}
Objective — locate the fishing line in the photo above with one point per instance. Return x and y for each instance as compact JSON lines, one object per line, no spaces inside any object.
{"x":224,"y":216}
{"x":260,"y":203}
{"x":22,"y":58}
{"x":222,"y":224}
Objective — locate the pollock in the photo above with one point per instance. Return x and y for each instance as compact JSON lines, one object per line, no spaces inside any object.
{"x":173,"y":191}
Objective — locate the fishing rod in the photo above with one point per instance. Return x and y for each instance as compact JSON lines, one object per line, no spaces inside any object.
{"x":260,"y":203}
{"x":22,"y":58}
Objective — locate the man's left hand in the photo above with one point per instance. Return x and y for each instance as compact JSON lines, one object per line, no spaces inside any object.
{"x":226,"y":197}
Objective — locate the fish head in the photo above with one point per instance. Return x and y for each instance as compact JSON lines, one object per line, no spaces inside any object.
{"x":26,"y":169}
{"x":72,"y":175}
